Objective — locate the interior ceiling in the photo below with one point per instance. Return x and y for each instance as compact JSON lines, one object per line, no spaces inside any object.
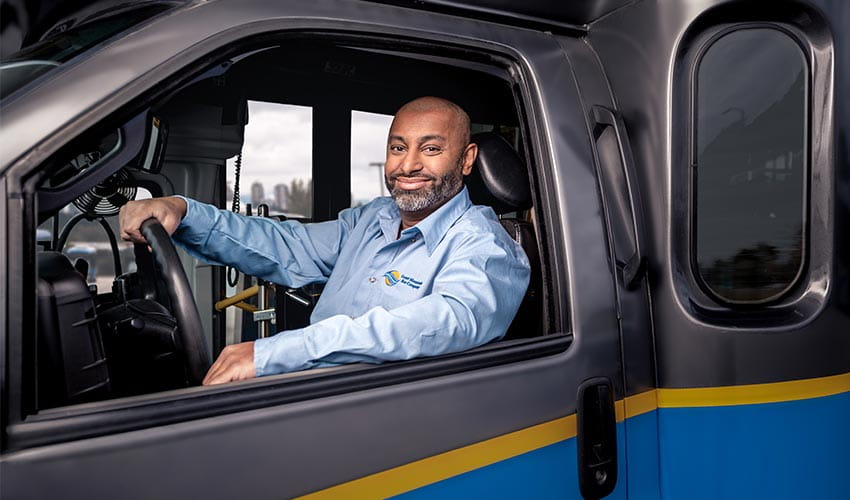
{"x":309,"y":73}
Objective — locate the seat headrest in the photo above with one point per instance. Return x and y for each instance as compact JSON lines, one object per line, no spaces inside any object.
{"x":499,"y":177}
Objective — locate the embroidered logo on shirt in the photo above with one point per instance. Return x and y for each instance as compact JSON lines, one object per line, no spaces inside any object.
{"x":393,"y":278}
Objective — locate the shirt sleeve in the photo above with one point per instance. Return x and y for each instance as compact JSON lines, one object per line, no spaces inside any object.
{"x":288,"y":253}
{"x":474,"y":299}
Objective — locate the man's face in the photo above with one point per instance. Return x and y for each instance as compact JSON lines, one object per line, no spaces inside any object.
{"x":427,"y":158}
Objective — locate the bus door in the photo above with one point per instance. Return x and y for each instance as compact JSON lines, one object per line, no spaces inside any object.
{"x":734,"y":111}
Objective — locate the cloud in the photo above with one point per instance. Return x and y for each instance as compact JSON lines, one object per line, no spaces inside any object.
{"x":279,"y":148}
{"x":368,"y":145}
{"x":278,"y":145}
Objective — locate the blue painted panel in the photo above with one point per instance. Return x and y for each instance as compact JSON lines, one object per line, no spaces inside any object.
{"x":642,"y":456}
{"x":789,"y":450}
{"x":549,"y":472}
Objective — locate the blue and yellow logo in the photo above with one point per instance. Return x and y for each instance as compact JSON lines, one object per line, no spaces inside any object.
{"x":393,"y":278}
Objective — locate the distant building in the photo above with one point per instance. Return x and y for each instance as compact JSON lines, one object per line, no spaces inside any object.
{"x":257,"y":193}
{"x":281,"y":196}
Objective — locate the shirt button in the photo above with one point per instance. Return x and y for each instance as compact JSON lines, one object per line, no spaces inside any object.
{"x":372,"y":279}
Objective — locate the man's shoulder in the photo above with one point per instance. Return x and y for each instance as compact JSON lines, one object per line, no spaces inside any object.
{"x":381,"y":204}
{"x":368,"y":211}
{"x":479,"y":224}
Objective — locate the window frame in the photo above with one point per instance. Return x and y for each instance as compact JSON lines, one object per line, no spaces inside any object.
{"x":808,"y":297}
{"x":25,"y":429}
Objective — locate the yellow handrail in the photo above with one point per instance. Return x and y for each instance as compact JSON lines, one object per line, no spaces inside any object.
{"x":245,"y":307}
{"x":236,"y":299}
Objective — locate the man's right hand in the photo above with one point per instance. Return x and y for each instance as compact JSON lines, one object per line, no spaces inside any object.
{"x":168,"y":211}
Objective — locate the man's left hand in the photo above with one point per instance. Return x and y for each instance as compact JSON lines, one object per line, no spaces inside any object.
{"x":236,"y":362}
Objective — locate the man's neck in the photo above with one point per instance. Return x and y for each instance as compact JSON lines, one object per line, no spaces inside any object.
{"x":410,"y":219}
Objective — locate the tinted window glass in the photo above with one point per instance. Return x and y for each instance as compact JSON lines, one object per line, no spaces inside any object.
{"x":61,"y":45}
{"x":751,"y":128}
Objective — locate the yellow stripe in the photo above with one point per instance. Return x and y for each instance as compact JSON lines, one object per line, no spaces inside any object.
{"x":641,"y":403}
{"x":754,"y":394}
{"x":619,"y":410}
{"x":436,"y":468}
{"x":452,"y":463}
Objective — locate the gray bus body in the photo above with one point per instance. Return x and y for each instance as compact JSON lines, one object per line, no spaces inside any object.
{"x":650,"y":375}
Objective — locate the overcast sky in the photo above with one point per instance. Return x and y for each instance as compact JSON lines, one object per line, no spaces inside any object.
{"x":278,"y":149}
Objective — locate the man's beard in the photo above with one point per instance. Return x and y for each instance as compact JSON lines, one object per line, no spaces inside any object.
{"x":415,"y":201}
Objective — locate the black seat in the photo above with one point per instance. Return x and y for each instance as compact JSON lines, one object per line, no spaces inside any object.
{"x":71,"y":360}
{"x":500,"y":180}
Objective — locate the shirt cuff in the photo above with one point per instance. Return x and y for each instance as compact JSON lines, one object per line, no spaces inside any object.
{"x":195,"y":226}
{"x":284,"y":352}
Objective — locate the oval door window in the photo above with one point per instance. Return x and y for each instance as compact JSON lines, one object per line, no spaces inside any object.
{"x":751,"y":123}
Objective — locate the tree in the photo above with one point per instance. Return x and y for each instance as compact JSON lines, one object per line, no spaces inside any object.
{"x":300,"y":197}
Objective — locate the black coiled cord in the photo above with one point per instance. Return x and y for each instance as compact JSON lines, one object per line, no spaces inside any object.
{"x":235,"y":206}
{"x":232,"y":272}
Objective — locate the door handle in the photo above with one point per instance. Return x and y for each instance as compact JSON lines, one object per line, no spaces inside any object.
{"x":597,"y":438}
{"x":621,"y":200}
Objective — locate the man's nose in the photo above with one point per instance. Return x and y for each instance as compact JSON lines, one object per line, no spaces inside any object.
{"x":410,"y":164}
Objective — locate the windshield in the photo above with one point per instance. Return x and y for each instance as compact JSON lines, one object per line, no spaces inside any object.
{"x":61,"y":44}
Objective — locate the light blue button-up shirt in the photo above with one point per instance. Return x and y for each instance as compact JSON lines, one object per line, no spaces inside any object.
{"x":452,"y":282}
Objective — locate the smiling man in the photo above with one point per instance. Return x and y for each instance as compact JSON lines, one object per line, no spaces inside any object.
{"x":422,"y":273}
{"x":422,"y":180}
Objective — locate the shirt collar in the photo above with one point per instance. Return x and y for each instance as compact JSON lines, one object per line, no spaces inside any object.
{"x":434,"y":227}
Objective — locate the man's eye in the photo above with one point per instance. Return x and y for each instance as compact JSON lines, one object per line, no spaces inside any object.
{"x":432,"y":150}
{"x":395,"y":148}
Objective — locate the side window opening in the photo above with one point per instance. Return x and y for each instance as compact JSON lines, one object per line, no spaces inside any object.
{"x":270,"y":125}
{"x":751,"y":165}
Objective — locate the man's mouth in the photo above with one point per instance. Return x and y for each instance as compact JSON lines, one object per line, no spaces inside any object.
{"x":411,"y":183}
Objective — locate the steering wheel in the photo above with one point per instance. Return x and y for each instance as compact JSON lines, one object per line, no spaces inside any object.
{"x":190,"y":331}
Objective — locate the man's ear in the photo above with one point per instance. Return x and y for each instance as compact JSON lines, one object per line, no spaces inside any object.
{"x":469,"y":156}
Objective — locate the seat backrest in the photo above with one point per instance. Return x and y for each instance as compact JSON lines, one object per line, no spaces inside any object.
{"x":72,"y":364}
{"x":499,"y":179}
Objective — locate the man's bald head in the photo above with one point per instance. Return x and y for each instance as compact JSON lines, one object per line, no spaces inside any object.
{"x":460,"y":132}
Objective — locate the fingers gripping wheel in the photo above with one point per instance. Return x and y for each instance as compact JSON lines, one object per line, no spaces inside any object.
{"x":183,"y":303}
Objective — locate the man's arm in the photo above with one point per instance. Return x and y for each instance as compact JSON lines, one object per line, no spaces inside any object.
{"x":474,"y":299}
{"x":288,"y":253}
